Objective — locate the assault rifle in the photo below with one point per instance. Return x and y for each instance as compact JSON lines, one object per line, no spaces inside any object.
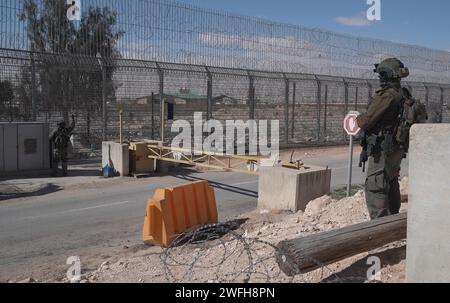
{"x":364,"y":157}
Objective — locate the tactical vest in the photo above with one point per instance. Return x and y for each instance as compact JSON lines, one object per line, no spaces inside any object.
{"x":62,"y":139}
{"x":390,"y":120}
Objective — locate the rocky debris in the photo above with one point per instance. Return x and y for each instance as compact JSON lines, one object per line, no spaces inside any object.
{"x":104,"y":265}
{"x":322,"y":214}
{"x":315,"y":207}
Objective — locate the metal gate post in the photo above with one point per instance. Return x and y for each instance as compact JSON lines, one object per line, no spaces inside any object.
{"x":325,"y":112}
{"x":319,"y":106}
{"x":293,"y":110}
{"x":441,"y":107}
{"x":427,"y":94}
{"x":251,"y":96}
{"x":33,"y":88}
{"x":161,"y":97}
{"x":209,"y":92}
{"x":286,"y":109}
{"x":345,"y":103}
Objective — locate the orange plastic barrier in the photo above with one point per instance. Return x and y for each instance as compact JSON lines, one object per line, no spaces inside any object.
{"x":173,"y":211}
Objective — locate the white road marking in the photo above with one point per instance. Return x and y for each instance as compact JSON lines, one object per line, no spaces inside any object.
{"x":77,"y":210}
{"x":93,"y":207}
{"x":245,"y":183}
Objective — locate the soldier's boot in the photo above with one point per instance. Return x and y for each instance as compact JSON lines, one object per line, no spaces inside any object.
{"x":394,"y":197}
{"x":377,"y":196}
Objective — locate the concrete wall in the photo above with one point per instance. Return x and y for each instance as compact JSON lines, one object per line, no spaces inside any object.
{"x":289,"y":189}
{"x":118,"y":155}
{"x":428,"y":248}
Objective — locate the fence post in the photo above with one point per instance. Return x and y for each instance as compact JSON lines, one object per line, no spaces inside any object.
{"x":293,"y":110}
{"x":209,"y":92}
{"x":319,"y":106}
{"x":441,"y":117}
{"x":325,"y":112}
{"x":161,"y":100}
{"x":427,"y":94}
{"x":33,"y":88}
{"x":153,"y":115}
{"x":286,"y":109}
{"x":345,"y":104}
{"x":102,"y":64}
{"x":370,"y":91}
{"x":251,"y":96}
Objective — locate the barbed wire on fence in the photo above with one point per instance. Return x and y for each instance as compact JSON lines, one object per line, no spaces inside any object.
{"x":172,"y":31}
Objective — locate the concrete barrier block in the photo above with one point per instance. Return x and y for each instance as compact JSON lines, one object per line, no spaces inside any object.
{"x":118,"y":155}
{"x":289,"y":189}
{"x":173,"y":211}
{"x":428,"y":244}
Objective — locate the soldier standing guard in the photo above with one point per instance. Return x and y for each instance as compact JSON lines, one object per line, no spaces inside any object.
{"x":380,"y":124}
{"x":59,"y":143}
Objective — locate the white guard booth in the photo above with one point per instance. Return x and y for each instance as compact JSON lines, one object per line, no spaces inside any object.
{"x":24,"y":148}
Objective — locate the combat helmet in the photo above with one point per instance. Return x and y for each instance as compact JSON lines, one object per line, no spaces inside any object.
{"x":62,"y":124}
{"x":391,"y":69}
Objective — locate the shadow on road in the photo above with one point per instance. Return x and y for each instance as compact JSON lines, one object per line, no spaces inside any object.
{"x":11,"y":191}
{"x":84,"y":173}
{"x":218,"y":185}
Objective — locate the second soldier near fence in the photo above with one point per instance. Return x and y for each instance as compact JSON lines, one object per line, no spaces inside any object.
{"x":384,"y":127}
{"x":60,"y":143}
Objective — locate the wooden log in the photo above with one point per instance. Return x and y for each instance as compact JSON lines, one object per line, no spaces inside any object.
{"x":309,"y":253}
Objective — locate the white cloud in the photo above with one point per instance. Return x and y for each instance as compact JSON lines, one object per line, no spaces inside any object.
{"x":359,"y":20}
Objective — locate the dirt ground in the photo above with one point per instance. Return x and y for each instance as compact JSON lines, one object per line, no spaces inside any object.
{"x":247,"y":254}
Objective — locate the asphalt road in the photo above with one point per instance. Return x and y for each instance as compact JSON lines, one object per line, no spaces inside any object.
{"x":37,"y":232}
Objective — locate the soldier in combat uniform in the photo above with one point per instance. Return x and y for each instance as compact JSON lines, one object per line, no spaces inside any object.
{"x":380,"y":125}
{"x":60,"y":143}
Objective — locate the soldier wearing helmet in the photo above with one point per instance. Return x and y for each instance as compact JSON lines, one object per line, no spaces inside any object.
{"x":380,"y":125}
{"x":59,"y":143}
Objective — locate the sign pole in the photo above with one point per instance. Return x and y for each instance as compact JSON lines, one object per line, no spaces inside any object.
{"x":350,"y":168}
{"x":352,"y":129}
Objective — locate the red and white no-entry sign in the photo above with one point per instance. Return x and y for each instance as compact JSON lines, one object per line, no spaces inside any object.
{"x":351,"y":124}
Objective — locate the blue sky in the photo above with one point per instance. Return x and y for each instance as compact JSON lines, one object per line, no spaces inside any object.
{"x":424,"y":23}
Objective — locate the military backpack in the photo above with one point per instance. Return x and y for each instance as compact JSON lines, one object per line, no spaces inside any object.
{"x":413,"y":112}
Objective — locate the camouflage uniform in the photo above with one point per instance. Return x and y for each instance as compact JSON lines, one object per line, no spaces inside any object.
{"x":60,"y":143}
{"x":380,"y":124}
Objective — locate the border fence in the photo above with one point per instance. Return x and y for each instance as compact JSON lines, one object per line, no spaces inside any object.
{"x":126,"y":55}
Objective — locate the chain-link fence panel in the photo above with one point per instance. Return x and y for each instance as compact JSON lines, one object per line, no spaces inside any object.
{"x":310,"y":109}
